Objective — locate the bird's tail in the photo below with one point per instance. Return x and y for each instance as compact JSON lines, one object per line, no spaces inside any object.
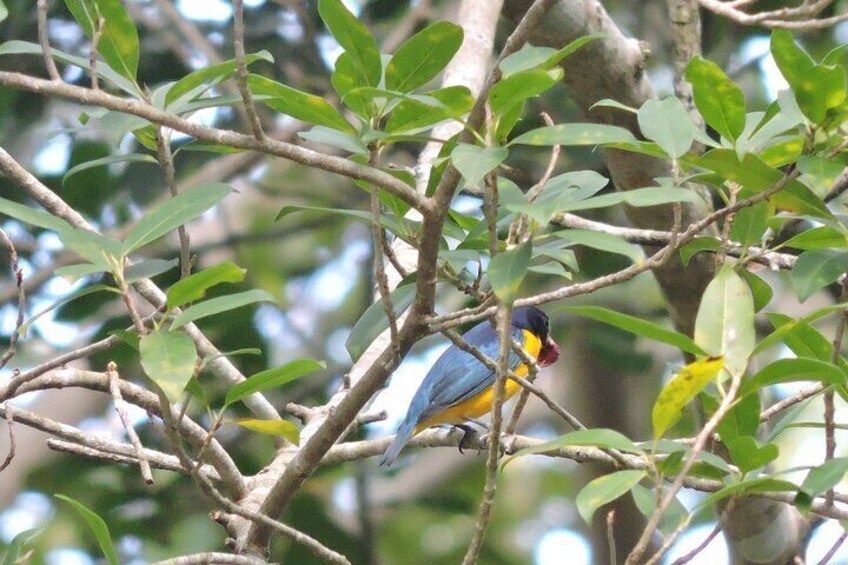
{"x":404,"y":432}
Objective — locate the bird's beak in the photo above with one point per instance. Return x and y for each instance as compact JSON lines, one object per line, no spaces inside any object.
{"x":549,"y":353}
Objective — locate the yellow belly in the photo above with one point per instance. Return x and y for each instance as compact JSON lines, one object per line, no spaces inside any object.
{"x":481,"y":403}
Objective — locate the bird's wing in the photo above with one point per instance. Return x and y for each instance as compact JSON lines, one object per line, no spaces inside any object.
{"x":457,"y":376}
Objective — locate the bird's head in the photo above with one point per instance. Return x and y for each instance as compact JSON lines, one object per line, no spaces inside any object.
{"x":534,"y":320}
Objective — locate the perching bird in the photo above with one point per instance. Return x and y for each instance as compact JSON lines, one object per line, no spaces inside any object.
{"x":460,"y":388}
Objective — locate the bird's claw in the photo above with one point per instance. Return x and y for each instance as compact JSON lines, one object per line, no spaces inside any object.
{"x":469,"y":437}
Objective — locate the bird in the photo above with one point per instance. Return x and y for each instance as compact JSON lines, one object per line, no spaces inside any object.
{"x":459,"y":387}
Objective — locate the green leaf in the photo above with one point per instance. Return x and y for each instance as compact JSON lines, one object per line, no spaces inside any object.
{"x":817,"y":88}
{"x":282,"y":428}
{"x":173,"y":213}
{"x":638,"y":197}
{"x":531,"y":57}
{"x":668,"y":124}
{"x":148,"y":268}
{"x":20,"y":541}
{"x":755,"y":175}
{"x":219,"y":304}
{"x":4,"y":13}
{"x":474,"y":162}
{"x":132,"y":158}
{"x":824,"y":477}
{"x":760,"y":290}
{"x":646,"y":502}
{"x":273,"y":378}
{"x":104,"y":71}
{"x":358,"y":43}
{"x":373,"y":321}
{"x":527,"y":58}
{"x":169,"y":359}
{"x":89,"y":245}
{"x":334,"y":138}
{"x":386,"y":221}
{"x":75,"y":272}
{"x":207,"y":77}
{"x":514,"y":90}
{"x":793,"y":370}
{"x":506,"y":271}
{"x":747,"y":454}
{"x":787,"y":327}
{"x":346,"y":77}
{"x":297,"y":104}
{"x":79,"y":293}
{"x":698,"y":245}
{"x":97,"y":526}
{"x":680,"y":391}
{"x":602,"y":242}
{"x":725,"y":322}
{"x":717,"y":98}
{"x":749,"y":225}
{"x":637,"y":326}
{"x":741,"y":420}
{"x":118,"y":43}
{"x":424,"y":55}
{"x":128,"y":337}
{"x":575,"y":134}
{"x":418,"y":112}
{"x":605,"y":489}
{"x":194,"y":287}
{"x":748,"y":486}
{"x":597,"y":437}
{"x":816,"y":269}
{"x":820,"y":237}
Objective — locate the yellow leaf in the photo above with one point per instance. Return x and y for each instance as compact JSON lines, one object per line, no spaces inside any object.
{"x":282,"y":428}
{"x":681,"y":389}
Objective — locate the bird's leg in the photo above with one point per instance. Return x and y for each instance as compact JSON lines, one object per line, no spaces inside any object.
{"x":469,"y":435}
{"x":483,"y":425}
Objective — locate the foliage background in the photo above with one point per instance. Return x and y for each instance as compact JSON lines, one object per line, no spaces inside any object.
{"x":318,"y":270}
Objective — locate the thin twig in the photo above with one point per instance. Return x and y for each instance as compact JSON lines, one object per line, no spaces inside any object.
{"x":18,"y":276}
{"x":241,"y":70}
{"x":378,"y":242}
{"x":138,"y":324}
{"x":504,"y":326}
{"x":829,"y":405}
{"x":611,"y":537}
{"x":802,"y":17}
{"x":44,"y":41}
{"x":537,"y":189}
{"x":9,"y":416}
{"x":166,"y":162}
{"x":833,"y":549}
{"x":125,"y":455}
{"x":117,"y":400}
{"x":701,"y":546}
{"x":216,"y":557}
{"x":796,"y":398}
{"x":92,"y":54}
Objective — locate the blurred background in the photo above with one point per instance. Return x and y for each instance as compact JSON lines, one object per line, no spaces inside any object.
{"x":319,"y":270}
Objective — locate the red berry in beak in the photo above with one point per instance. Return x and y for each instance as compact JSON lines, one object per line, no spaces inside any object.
{"x":549,"y":353}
